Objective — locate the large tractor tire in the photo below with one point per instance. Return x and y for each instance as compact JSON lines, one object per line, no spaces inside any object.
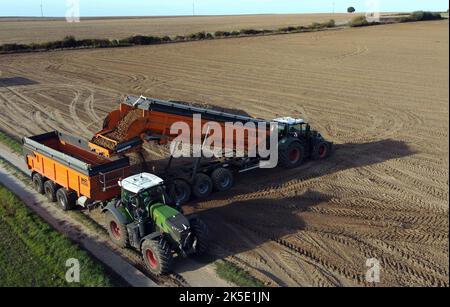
{"x":38,"y":183}
{"x":181,"y":192}
{"x":321,"y":150}
{"x":116,"y":230}
{"x":202,"y":186}
{"x":200,"y":231}
{"x":222,"y":179}
{"x":292,"y":156}
{"x":157,"y":256}
{"x":50,"y":189}
{"x":66,"y":199}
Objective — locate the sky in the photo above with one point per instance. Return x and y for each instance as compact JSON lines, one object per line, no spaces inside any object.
{"x":87,"y":8}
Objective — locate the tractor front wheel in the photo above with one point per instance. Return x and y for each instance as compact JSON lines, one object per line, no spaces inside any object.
{"x":117,"y":231}
{"x":200,"y":232}
{"x":157,"y":256}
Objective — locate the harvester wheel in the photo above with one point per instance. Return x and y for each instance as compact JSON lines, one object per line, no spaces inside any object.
{"x":50,"y":189}
{"x":157,"y":256}
{"x":116,"y":230}
{"x":200,"y":231}
{"x":321,"y":151}
{"x":202,"y":186}
{"x":66,"y":199}
{"x":181,"y":191}
{"x":292,"y":156}
{"x":38,"y":183}
{"x":222,"y":179}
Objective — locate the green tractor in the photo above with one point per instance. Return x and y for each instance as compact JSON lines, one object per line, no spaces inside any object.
{"x":297,"y":142}
{"x":143,"y":219}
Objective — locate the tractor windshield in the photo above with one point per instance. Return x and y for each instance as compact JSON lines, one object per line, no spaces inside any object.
{"x":153,"y":195}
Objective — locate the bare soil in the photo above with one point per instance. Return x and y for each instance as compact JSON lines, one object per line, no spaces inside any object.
{"x":380,"y":93}
{"x":34,"y":30}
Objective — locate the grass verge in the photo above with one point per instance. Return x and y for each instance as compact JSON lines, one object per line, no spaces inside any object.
{"x":228,"y":271}
{"x":11,"y":142}
{"x":34,"y":254}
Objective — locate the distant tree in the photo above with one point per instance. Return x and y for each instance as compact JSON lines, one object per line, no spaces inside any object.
{"x":351,"y":9}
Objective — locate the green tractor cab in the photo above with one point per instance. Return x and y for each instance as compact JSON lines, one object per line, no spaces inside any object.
{"x":298,"y":142}
{"x":143,"y":219}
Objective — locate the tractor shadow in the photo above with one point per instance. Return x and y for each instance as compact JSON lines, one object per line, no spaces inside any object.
{"x":16,"y":81}
{"x":255,"y":218}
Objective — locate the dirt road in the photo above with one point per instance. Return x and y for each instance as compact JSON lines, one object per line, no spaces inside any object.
{"x":380,"y":93}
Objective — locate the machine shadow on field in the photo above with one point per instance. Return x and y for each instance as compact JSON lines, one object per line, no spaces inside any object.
{"x":16,"y":81}
{"x":263,"y":216}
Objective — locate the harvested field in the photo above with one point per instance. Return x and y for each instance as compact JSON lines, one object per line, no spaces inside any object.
{"x":380,"y":93}
{"x":28,"y":30}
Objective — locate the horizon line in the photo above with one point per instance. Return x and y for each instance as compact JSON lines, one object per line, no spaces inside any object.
{"x":200,"y":15}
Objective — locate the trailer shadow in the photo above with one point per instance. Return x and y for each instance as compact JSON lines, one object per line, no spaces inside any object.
{"x":343,"y":157}
{"x":16,"y":81}
{"x":255,"y":218}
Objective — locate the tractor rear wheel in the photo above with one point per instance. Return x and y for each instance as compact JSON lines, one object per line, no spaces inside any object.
{"x":222,"y":179}
{"x":181,"y":191}
{"x":157,"y":256}
{"x":200,"y":231}
{"x":292,"y":156}
{"x":38,"y":183}
{"x":50,"y":189}
{"x":66,"y":199}
{"x":116,"y":230}
{"x":321,"y":151}
{"x":202,"y":186}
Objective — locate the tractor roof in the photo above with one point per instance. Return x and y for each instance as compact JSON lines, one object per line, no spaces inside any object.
{"x":140,"y":182}
{"x":289,"y":120}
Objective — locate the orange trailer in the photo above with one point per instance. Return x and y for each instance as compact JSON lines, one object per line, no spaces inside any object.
{"x":64,"y":166}
{"x":153,"y":119}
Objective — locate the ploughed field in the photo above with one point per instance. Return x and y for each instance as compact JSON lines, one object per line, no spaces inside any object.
{"x":380,"y":93}
{"x":36,"y":30}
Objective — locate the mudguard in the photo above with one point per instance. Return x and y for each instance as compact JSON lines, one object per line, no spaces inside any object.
{"x":151,"y":236}
{"x":116,"y":213}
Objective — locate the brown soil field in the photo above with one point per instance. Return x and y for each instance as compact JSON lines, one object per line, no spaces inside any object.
{"x":380,"y":93}
{"x":23,"y":30}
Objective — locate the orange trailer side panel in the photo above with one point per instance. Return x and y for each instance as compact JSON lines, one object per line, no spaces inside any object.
{"x":68,"y":178}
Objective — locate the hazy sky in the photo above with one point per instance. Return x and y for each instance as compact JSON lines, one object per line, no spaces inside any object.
{"x":208,"y":7}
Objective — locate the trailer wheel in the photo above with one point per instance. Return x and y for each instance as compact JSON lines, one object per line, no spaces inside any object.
{"x":157,"y":256}
{"x":200,"y":231}
{"x":117,"y":231}
{"x":202,"y":186}
{"x":66,"y":199}
{"x":321,"y":151}
{"x":50,"y":189}
{"x":222,"y":179}
{"x":38,"y":183}
{"x":181,"y":191}
{"x":292,"y":156}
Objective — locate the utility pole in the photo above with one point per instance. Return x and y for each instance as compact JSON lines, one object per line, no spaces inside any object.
{"x":42,"y":10}
{"x":193,"y":7}
{"x":334,"y":7}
